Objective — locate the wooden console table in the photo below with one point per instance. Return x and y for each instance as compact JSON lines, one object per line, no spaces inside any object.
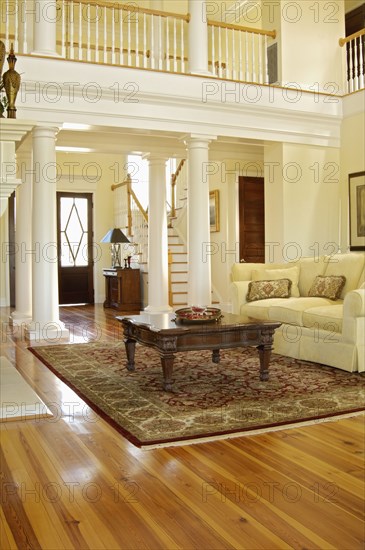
{"x":123,"y":289}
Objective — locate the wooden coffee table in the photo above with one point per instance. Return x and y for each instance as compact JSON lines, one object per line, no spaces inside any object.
{"x":168,"y":336}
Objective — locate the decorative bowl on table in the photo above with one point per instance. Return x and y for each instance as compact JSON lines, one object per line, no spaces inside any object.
{"x":198,"y":314}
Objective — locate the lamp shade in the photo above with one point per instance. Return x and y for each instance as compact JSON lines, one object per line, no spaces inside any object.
{"x":115,"y":236}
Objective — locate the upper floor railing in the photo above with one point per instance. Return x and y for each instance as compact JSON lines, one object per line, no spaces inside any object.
{"x":355,"y":60}
{"x":130,"y":36}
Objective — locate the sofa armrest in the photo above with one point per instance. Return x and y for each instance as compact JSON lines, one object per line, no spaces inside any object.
{"x":353,"y":327}
{"x":354,"y":303}
{"x":238,"y":291}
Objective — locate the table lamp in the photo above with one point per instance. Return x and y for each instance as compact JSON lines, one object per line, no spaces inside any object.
{"x":115,"y":237}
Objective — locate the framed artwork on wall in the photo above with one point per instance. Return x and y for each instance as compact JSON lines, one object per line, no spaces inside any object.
{"x":357,"y":210}
{"x":214,"y":210}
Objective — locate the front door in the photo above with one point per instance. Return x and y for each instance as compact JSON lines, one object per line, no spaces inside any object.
{"x":75,"y":249}
{"x":252,"y":219}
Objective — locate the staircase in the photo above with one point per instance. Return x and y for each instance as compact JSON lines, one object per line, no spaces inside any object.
{"x":178,"y":265}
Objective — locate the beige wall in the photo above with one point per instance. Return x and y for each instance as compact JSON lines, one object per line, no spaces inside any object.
{"x":301,"y":201}
{"x":352,"y":161}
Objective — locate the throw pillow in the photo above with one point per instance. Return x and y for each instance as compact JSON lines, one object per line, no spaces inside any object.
{"x":262,"y":290}
{"x":291,"y":273}
{"x":327,"y":287}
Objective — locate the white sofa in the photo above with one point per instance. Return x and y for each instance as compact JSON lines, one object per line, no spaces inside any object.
{"x":329,"y":332}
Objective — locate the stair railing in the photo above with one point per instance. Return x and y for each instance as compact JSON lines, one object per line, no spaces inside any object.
{"x":355,"y":59}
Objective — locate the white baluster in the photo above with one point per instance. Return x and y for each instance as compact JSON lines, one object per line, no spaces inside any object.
{"x":80,"y":31}
{"x":121,"y":52}
{"x":105,"y":14}
{"x":182,"y":46}
{"x":88,"y":54}
{"x":361,"y":62}
{"x":145,"y":59}
{"x":24,"y":21}
{"x":234,"y":71}
{"x":7,"y":25}
{"x":71,"y":23}
{"x":227,"y":60}
{"x":253,"y":57}
{"x":16,"y":25}
{"x":97,"y":19}
{"x":247,"y":71}
{"x":63,"y":30}
{"x":167,"y":44}
{"x":219,"y":51}
{"x":113,"y":35}
{"x":213,"y":49}
{"x":152,"y":42}
{"x":175,"y":47}
{"x":351,"y":79}
{"x":266,"y":61}
{"x":160,"y":43}
{"x":259,"y":38}
{"x":137,"y":39}
{"x":240,"y":72}
{"x":129,"y":55}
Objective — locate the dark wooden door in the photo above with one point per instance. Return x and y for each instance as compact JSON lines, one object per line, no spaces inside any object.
{"x":75,"y":248}
{"x":252,"y":219}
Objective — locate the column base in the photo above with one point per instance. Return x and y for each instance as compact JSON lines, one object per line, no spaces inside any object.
{"x":158,"y":309}
{"x":17,"y":318}
{"x":51,"y":331}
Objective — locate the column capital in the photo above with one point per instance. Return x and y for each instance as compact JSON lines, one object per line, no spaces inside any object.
{"x":46,"y":130}
{"x":191,"y":139}
{"x":153,"y":157}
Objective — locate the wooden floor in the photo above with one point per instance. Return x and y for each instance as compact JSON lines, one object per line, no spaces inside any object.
{"x":73,"y":482}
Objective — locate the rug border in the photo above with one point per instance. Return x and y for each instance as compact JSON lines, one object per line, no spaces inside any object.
{"x":195,"y":439}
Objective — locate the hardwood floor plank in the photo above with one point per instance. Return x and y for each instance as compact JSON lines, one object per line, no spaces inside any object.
{"x":235,"y":494}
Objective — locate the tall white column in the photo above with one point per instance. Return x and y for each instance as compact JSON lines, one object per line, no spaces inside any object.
{"x":198,"y":37}
{"x":45,"y":321}
{"x":199,"y":276}
{"x":44,"y":27}
{"x":158,"y":284}
{"x":23,"y":240}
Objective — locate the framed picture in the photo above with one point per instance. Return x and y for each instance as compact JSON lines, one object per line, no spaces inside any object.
{"x":214,"y":210}
{"x":357,"y":210}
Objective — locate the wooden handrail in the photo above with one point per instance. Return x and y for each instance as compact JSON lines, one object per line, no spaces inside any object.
{"x":134,"y":8}
{"x":343,"y":41}
{"x":239,"y":28}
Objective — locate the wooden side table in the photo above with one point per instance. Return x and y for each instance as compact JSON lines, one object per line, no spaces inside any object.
{"x":123,"y":289}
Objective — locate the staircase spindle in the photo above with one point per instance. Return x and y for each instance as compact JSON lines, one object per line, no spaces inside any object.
{"x":137,"y":40}
{"x":71,"y":23}
{"x":88,"y":53}
{"x":113,"y":60}
{"x":80,"y":31}
{"x":121,"y":45}
{"x":182,"y":46}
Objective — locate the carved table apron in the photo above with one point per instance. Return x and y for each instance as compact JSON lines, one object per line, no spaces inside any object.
{"x":167,"y":336}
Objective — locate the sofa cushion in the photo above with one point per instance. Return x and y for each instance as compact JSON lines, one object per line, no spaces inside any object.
{"x":291,"y":273}
{"x":243,"y":271}
{"x":327,"y":286}
{"x":326,"y":318}
{"x":309,"y":269}
{"x":291,"y":311}
{"x":260,"y":310}
{"x":349,"y":265}
{"x":263,"y":290}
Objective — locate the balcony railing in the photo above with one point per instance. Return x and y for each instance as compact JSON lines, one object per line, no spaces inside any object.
{"x":127,"y":35}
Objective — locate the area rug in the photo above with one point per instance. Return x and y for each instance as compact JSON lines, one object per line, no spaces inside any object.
{"x":209,"y":400}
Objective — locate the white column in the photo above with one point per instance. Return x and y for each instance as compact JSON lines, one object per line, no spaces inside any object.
{"x":44,"y":27}
{"x":198,"y":37}
{"x":23,"y":241}
{"x":199,"y":276}
{"x":45,"y":322}
{"x":158,"y":284}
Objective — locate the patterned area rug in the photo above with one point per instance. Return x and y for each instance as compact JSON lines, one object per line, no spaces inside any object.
{"x":209,"y":400}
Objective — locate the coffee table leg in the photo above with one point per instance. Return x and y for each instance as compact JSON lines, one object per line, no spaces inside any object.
{"x":167,"y":363}
{"x":264,"y":354}
{"x":215,"y":356}
{"x":130,"y":348}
